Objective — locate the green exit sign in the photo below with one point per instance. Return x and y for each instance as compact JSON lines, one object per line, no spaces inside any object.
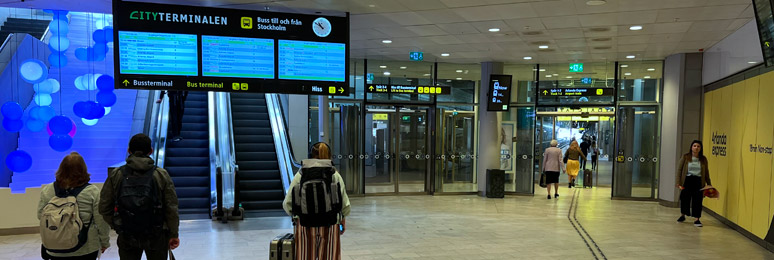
{"x":417,"y":56}
{"x":576,"y":67}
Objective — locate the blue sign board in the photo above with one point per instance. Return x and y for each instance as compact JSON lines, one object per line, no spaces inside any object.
{"x":586,"y":80}
{"x":417,"y":56}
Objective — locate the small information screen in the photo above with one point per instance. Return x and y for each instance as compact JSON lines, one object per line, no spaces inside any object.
{"x":408,"y":89}
{"x":499,"y":93}
{"x":320,"y":61}
{"x":237,"y":57}
{"x":147,"y":53}
{"x":576,"y":92}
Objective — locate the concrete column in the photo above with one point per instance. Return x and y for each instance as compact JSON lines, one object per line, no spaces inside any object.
{"x":489,"y":128}
{"x":324,"y":124}
{"x":680,"y":118}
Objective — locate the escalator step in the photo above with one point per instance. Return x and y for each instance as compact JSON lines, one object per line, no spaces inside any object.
{"x":251,"y":108}
{"x":252,"y":131}
{"x":262,"y":205}
{"x":261,"y":195}
{"x":192,"y":192}
{"x":247,"y":102}
{"x":187,"y":161}
{"x":195,"y":111}
{"x":194,"y":202}
{"x":260,"y":184}
{"x":253,"y":165}
{"x":195,"y":127}
{"x":250,"y":116}
{"x":254,"y":147}
{"x":252,"y":123}
{"x":195,"y":119}
{"x":187,"y":152}
{"x":187,"y":171}
{"x":259,"y":174}
{"x":254,"y":139}
{"x":256,"y":156}
{"x":195,"y":134}
{"x":190,"y":143}
{"x":194,"y":181}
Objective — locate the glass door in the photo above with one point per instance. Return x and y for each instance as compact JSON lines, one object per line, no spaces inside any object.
{"x":455,"y":161}
{"x":397,"y":152}
{"x":636,"y":170}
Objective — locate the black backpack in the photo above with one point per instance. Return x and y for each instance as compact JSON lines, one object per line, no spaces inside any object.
{"x":317,"y":199}
{"x":139,"y":204}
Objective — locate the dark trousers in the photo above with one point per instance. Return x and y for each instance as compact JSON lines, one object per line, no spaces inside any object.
{"x":46,"y":256}
{"x":691,"y":197}
{"x":582,"y":162}
{"x":132,"y":249}
{"x":594,"y":159}
{"x":176,"y":111}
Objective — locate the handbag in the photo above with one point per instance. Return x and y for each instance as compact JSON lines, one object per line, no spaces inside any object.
{"x":543,"y":180}
{"x":566,"y":156}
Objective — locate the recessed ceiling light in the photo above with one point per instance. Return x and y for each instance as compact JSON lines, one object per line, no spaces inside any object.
{"x":458,"y":71}
{"x":548,"y":76}
{"x":596,"y":2}
{"x":541,"y":70}
{"x":403,"y":68}
{"x":752,"y":62}
{"x":651,"y":69}
{"x":527,"y":58}
{"x":630,"y":56}
{"x":459,"y":78}
{"x":636,"y":28}
{"x":445,"y":54}
{"x":568,"y":77}
{"x":426,"y":75}
{"x":386,"y":41}
{"x":386,"y":73}
{"x":448,"y":80}
{"x":372,"y":6}
{"x":382,"y":67}
{"x":624,"y":66}
{"x":555,"y":74}
{"x":627,"y":74}
{"x":646,"y":77}
{"x":494,"y":29}
{"x":543,"y":47}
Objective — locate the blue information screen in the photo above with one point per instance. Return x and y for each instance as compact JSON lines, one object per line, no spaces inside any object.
{"x":317,"y":61}
{"x":237,"y":57}
{"x":150,"y":53}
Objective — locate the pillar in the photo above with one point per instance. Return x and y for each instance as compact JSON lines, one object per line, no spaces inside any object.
{"x":488,"y":129}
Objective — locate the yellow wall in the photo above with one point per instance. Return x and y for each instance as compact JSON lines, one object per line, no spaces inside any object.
{"x":743,"y":113}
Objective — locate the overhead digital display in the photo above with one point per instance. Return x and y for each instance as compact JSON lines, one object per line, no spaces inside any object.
{"x":408,"y":89}
{"x":158,"y":53}
{"x":174,"y":47}
{"x":575,"y":92}
{"x":499,"y":93}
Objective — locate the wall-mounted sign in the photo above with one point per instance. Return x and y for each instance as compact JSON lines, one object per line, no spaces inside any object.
{"x":369,"y":78}
{"x":176,"y":47}
{"x":574,"y":92}
{"x":576,"y":67}
{"x":416,"y":56}
{"x":408,"y":89}
{"x":586,"y":80}
{"x":381,"y":117}
{"x":499,"y":92}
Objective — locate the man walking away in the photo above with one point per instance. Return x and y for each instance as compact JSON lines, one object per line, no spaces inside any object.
{"x":139,"y":201}
{"x":176,"y":110}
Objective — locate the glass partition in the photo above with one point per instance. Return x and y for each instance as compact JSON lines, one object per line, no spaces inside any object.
{"x":640,"y":81}
{"x":399,"y":73}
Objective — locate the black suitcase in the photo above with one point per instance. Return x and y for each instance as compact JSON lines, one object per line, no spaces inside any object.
{"x":587,"y":178}
{"x":282,"y":247}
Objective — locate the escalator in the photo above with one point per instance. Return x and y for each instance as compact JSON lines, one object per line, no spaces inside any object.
{"x":188,"y":160}
{"x":260,"y":184}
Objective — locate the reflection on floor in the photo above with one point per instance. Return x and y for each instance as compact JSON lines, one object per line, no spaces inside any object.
{"x":471,"y":227}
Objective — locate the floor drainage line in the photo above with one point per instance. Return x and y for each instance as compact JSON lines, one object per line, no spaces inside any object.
{"x":569,"y":218}
{"x":574,"y":216}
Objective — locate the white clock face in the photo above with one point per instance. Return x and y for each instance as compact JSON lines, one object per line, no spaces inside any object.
{"x":321,"y":27}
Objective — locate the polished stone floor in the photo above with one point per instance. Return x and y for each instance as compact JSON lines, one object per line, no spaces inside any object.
{"x":471,"y":227}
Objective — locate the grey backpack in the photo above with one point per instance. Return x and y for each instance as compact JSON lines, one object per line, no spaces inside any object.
{"x":61,"y":227}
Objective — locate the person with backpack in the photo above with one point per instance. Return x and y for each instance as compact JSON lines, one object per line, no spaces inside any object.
{"x":139,"y":201}
{"x":68,"y":228}
{"x":318,"y":220}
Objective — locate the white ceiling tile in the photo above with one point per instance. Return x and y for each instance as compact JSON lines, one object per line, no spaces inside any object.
{"x":459,"y":28}
{"x":523,"y":24}
{"x":582,"y":8}
{"x":709,"y":26}
{"x":515,"y":11}
{"x":567,"y":33}
{"x":738,"y":23}
{"x":368,"y":21}
{"x":561,"y":22}
{"x":364,"y":34}
{"x":396,"y":31}
{"x":706,"y":35}
{"x":677,"y":27}
{"x":484,"y":26}
{"x":594,"y":20}
{"x":441,"y":16}
{"x":426,"y":30}
{"x":459,"y":3}
{"x":445,"y":39}
{"x":408,"y":18}
{"x":637,"y":18}
{"x":571,"y":43}
{"x":636,"y":39}
{"x":554,"y":8}
{"x":700,"y":13}
{"x":632,"y":47}
{"x":474,"y":38}
{"x":478,"y":13}
{"x":666,"y":38}
{"x":422,"y":4}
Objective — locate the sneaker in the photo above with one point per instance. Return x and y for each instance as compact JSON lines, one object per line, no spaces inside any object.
{"x":177,"y":139}
{"x":681,"y":219}
{"x":697,"y":223}
{"x":556,"y":195}
{"x":548,"y":197}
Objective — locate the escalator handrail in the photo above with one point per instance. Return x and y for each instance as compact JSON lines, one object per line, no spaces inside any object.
{"x":293,"y":160}
{"x":281,"y":143}
{"x":5,"y":42}
{"x":159,"y":126}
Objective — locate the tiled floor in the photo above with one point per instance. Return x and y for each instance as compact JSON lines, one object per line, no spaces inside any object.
{"x":471,"y":227}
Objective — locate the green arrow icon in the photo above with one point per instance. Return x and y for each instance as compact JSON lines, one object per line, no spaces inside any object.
{"x":126,"y":82}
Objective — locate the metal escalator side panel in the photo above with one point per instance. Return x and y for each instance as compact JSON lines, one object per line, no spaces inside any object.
{"x":279,"y":134}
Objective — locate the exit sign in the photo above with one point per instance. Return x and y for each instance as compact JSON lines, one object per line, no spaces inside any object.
{"x":417,"y":56}
{"x":576,"y":67}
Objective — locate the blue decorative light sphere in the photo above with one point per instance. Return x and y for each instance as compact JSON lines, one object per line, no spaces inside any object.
{"x":45,"y":87}
{"x":99,"y":36}
{"x":82,"y":54}
{"x":107,"y":110}
{"x":106,"y":98}
{"x":42,"y":99}
{"x":33,"y":71}
{"x":54,"y":85}
{"x":105,"y":83}
{"x":96,"y":111}
{"x":100,"y":48}
{"x":109,"y":33}
{"x":60,"y":142}
{"x":59,"y":27}
{"x":57,"y":59}
{"x":59,"y":43}
{"x":60,"y":125}
{"x":46,"y":113}
{"x":36,"y":125}
{"x":81,"y":108}
{"x":89,"y":122}
{"x":12,"y":125}
{"x":18,"y":161}
{"x":12,"y":110}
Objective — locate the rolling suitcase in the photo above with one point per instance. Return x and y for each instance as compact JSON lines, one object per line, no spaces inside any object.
{"x":587,"y":178}
{"x":281,"y":247}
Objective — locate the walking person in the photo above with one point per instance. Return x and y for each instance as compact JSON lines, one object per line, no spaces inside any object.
{"x":584,"y":146}
{"x":572,"y":156}
{"x":71,"y":186}
{"x":176,"y":111}
{"x":552,"y":164}
{"x":139,"y":201}
{"x":318,"y":221}
{"x":692,"y":177}
{"x":594,"y":155}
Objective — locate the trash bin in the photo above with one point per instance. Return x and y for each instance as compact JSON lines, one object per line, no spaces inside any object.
{"x":495,"y":183}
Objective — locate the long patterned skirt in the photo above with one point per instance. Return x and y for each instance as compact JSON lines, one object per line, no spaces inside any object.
{"x":317,"y":243}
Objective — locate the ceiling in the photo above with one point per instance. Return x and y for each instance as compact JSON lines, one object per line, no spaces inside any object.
{"x":572,"y":29}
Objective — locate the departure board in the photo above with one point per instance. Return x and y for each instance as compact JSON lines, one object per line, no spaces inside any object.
{"x":237,"y":57}
{"x":199,"y":48}
{"x":321,"y":61}
{"x":148,"y":53}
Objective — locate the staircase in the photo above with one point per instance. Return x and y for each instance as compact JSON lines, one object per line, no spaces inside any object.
{"x":36,"y":28}
{"x":260,"y":182}
{"x":188,"y":160}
